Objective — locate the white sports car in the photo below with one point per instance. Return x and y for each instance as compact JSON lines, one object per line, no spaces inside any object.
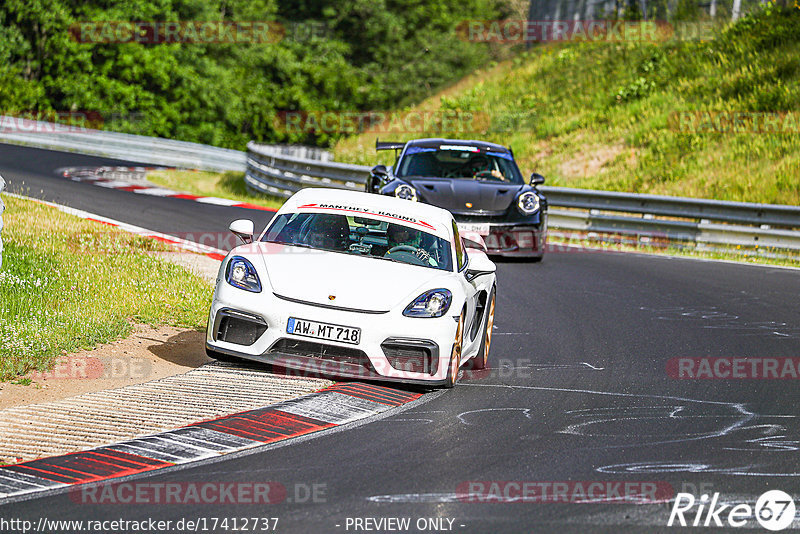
{"x":356,"y":285}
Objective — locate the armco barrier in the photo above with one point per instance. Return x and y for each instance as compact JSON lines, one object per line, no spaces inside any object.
{"x":587,"y":211}
{"x":273,"y":173}
{"x":137,"y":148}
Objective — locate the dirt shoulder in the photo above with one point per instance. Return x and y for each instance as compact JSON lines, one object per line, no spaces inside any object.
{"x":147,"y":354}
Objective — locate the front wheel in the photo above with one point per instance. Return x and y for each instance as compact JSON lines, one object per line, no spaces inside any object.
{"x":455,"y":356}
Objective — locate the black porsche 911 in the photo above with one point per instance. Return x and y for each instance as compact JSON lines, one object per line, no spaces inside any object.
{"x":478,"y":182}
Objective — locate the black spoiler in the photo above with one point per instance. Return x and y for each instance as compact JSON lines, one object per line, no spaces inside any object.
{"x":388,"y":145}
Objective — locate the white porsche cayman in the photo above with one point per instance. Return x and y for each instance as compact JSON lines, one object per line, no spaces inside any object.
{"x":355,"y":285}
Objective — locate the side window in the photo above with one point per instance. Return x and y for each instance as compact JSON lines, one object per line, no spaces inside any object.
{"x":460,"y":256}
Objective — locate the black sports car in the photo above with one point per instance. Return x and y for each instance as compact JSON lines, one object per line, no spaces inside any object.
{"x":478,"y":182}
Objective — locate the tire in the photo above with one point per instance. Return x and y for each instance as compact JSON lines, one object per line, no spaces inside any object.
{"x":221,"y":357}
{"x":455,"y":355}
{"x":479,"y":361}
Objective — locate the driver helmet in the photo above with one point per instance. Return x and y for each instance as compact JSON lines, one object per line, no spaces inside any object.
{"x":330,"y":232}
{"x":397,"y":234}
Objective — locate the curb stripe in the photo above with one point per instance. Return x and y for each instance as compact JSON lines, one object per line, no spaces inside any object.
{"x":269,"y":427}
{"x":94,"y":175}
{"x":338,"y":405}
{"x":333,"y":407}
{"x":367,"y":391}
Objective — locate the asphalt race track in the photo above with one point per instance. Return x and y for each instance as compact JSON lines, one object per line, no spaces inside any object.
{"x":579,"y":392}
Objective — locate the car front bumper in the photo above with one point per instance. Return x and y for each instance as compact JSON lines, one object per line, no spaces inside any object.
{"x":510,"y":239}
{"x":391,"y":346}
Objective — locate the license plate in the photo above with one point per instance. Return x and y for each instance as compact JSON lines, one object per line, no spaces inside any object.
{"x":331,"y":332}
{"x":477,"y":228}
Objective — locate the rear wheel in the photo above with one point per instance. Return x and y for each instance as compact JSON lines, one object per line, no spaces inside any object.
{"x":455,"y":356}
{"x":479,"y":361}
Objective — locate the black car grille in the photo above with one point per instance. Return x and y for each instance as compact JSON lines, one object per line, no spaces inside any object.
{"x":479,"y":216}
{"x":239,"y":329}
{"x":414,"y":358}
{"x":310,"y":349}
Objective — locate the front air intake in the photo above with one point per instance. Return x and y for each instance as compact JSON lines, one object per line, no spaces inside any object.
{"x":239,"y":328}
{"x":412,"y":355}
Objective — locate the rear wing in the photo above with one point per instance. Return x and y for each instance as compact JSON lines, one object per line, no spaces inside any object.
{"x":388,"y":145}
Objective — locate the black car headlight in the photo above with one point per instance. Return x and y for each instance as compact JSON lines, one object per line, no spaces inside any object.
{"x":433,"y":303}
{"x":241,"y":273}
{"x":406,"y":192}
{"x":528,"y":203}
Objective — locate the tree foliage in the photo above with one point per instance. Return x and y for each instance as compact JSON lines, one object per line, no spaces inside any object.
{"x":341,"y":55}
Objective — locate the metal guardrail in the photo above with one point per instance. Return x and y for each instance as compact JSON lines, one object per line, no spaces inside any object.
{"x":690,"y":208}
{"x":273,"y":173}
{"x":136,"y":148}
{"x":587,"y":211}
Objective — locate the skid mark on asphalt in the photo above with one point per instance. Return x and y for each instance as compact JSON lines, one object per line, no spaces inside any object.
{"x":678,"y":420}
{"x":552,"y":366}
{"x":666,"y":467}
{"x":713,"y":318}
{"x":462,"y":417}
{"x":415,"y":498}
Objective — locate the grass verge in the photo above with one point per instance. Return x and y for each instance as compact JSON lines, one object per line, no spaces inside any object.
{"x":69,"y":284}
{"x":228,"y":185}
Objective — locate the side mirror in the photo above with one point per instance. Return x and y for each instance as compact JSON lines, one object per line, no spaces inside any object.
{"x":479,"y":265}
{"x":537,"y":179}
{"x":477,"y":245}
{"x":243,"y":229}
{"x":378,"y":176}
{"x":380,"y":171}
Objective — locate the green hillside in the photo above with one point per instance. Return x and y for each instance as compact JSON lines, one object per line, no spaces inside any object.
{"x":718,"y":118}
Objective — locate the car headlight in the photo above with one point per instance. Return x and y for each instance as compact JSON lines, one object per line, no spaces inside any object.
{"x":433,"y":303}
{"x":528,"y":203}
{"x":241,"y":273}
{"x":406,"y":192}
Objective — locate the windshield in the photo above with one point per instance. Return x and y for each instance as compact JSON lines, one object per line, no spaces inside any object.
{"x":361,"y":236}
{"x":466,"y":163}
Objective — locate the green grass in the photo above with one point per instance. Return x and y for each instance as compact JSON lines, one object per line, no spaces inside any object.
{"x":228,"y":185}
{"x":69,"y":284}
{"x":598,"y":115}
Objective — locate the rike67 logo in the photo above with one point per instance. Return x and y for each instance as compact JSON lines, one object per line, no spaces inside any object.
{"x":774,"y":511}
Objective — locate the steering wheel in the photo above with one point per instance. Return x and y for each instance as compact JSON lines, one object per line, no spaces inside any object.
{"x":410,"y":254}
{"x":486,"y":173}
{"x":403,"y":248}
